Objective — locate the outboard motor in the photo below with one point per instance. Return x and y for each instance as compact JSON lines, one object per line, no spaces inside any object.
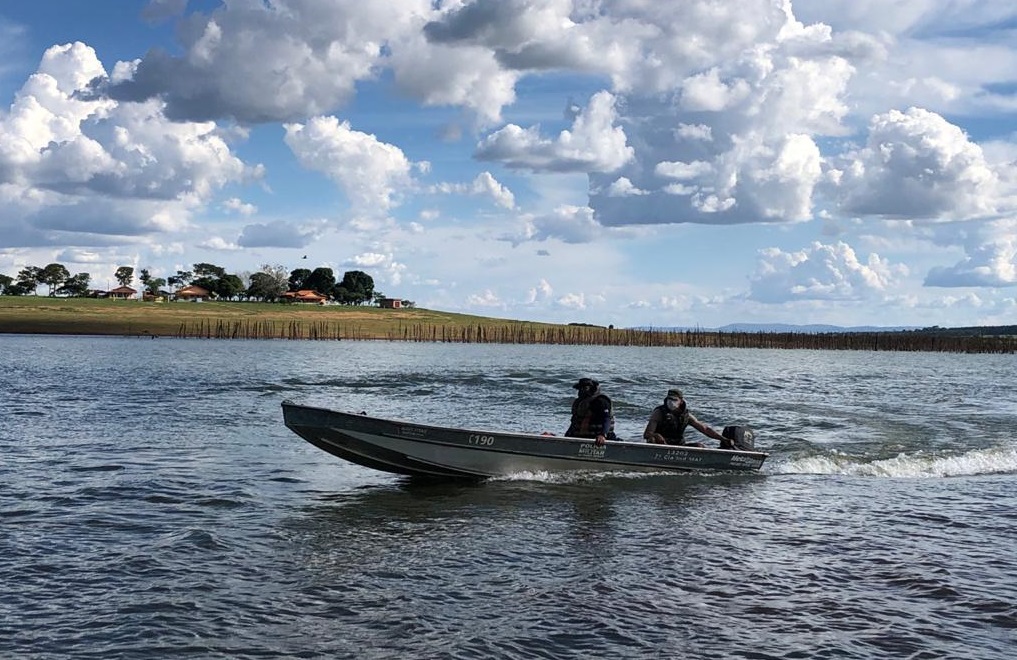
{"x":738,"y":437}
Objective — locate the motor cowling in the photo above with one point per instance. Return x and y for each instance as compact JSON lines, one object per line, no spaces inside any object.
{"x":738,"y":437}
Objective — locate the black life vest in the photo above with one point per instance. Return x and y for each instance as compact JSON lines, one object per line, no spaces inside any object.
{"x":672,"y":424}
{"x":587,"y":425}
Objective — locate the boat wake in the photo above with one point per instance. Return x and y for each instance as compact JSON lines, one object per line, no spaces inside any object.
{"x":593,"y":476}
{"x":573,"y":477}
{"x":995,"y":460}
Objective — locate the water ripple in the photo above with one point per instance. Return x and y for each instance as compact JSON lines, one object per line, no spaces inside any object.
{"x":189,"y":523}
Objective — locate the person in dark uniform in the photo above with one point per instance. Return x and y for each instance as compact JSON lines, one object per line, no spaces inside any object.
{"x":592,"y":416}
{"x":668,"y":421}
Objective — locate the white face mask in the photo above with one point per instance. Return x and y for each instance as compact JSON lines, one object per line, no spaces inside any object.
{"x":672,"y":404}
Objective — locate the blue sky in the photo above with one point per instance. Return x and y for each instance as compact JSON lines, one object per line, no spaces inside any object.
{"x":665,"y":164}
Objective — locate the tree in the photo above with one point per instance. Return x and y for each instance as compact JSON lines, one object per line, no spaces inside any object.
{"x":151,"y":284}
{"x":211,"y":271}
{"x":207,"y":276}
{"x":53,"y":275}
{"x":321,"y":280}
{"x":278,"y":273}
{"x":154,"y":285}
{"x":76,"y":285}
{"x":228,"y":286}
{"x":298,"y":278}
{"x":28,"y":281}
{"x":182,"y":278}
{"x":269,"y":283}
{"x":5,"y":283}
{"x":124,"y":275}
{"x":217,"y":281}
{"x":263,"y":287}
{"x":356,"y":288}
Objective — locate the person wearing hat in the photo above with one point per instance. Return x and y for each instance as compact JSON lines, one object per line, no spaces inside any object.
{"x":592,"y":416}
{"x":668,"y":421}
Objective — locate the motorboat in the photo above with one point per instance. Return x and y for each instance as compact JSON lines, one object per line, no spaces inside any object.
{"x":424,"y":450}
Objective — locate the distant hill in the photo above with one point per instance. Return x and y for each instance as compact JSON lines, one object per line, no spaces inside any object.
{"x":815,"y":328}
{"x":819,"y":328}
{"x":976,"y":330}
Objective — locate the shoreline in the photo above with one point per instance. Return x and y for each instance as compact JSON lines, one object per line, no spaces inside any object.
{"x":32,"y":315}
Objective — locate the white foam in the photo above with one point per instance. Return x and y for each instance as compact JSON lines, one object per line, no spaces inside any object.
{"x":995,"y":460}
{"x":575,"y":477}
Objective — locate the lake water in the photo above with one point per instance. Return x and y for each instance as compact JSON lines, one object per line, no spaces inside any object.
{"x":153,"y":505}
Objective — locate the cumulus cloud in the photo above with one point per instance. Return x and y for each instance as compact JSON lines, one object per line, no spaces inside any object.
{"x":572,"y":301}
{"x":746,"y":89}
{"x":485,"y":185}
{"x":218,"y":244}
{"x":73,"y":165}
{"x":464,"y":76}
{"x":918,"y":165}
{"x":371,"y":173}
{"x":649,"y":46}
{"x":991,"y":259}
{"x":622,"y":187}
{"x":739,"y":144}
{"x":79,"y":256}
{"x":90,"y":221}
{"x":258,"y":62}
{"x":709,"y":113}
{"x":694,"y":132}
{"x":486,"y":298}
{"x":369,"y":260}
{"x":593,"y":144}
{"x":280,"y":234}
{"x":541,"y":292}
{"x":236,"y":205}
{"x":383,"y":264}
{"x":708,"y":92}
{"x":947,"y":57}
{"x":47,"y":110}
{"x":570,"y":224}
{"x":821,"y":272}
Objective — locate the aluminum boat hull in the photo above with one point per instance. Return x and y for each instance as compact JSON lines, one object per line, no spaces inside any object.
{"x":422,"y":450}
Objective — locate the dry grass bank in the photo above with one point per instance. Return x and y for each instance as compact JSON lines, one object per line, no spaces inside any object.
{"x":87,"y":316}
{"x":235,"y":320}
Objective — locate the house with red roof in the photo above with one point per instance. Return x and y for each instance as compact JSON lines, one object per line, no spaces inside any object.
{"x":304,"y":296}
{"x":123,"y":293}
{"x":192,"y":293}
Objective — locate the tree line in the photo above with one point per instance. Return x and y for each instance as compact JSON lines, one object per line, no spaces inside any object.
{"x":269,"y":284}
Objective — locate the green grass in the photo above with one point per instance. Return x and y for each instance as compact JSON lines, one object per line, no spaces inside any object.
{"x":89,"y":316}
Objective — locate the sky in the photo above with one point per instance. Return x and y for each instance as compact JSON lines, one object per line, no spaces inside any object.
{"x":613,"y":162}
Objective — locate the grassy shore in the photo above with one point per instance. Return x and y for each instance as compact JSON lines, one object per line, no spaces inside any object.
{"x":89,"y":316}
{"x":241,"y":320}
